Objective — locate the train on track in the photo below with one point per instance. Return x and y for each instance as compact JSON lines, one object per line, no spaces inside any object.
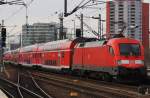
{"x":116,"y":58}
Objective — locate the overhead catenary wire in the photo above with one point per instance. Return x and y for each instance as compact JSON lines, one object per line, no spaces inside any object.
{"x":21,"y":8}
{"x":19,"y":2}
{"x":76,"y":8}
{"x":13,"y":14}
{"x":87,"y":4}
{"x":83,"y":4}
{"x":93,"y":31}
{"x":93,"y":4}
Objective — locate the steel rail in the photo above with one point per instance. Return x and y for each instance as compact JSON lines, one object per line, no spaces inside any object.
{"x":93,"y":87}
{"x":7,"y":93}
{"x":37,"y":86}
{"x":18,"y":86}
{"x":22,"y":88}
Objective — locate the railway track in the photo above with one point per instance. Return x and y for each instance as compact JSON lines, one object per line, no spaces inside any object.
{"x":77,"y":85}
{"x":105,"y":91}
{"x":30,"y":83}
{"x":17,"y":90}
{"x":9,"y":89}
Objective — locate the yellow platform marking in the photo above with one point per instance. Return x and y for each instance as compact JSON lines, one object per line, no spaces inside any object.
{"x":74,"y":94}
{"x":75,"y":81}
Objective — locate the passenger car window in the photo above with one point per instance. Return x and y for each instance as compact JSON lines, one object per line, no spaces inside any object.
{"x":63,"y":54}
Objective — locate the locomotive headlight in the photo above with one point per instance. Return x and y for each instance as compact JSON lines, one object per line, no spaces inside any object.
{"x":123,"y":62}
{"x":139,"y":62}
{"x":119,"y":62}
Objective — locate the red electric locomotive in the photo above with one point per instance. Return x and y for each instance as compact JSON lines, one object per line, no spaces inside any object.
{"x":117,"y":57}
{"x":113,"y":58}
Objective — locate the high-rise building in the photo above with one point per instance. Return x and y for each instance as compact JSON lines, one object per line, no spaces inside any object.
{"x":39,"y":33}
{"x":145,"y":25}
{"x":132,"y":14}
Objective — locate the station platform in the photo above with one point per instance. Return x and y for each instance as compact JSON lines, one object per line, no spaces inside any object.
{"x":2,"y":94}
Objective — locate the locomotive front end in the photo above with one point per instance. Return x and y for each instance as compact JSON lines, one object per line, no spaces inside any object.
{"x":130,"y":60}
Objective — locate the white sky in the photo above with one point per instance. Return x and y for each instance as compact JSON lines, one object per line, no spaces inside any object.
{"x":44,"y":11}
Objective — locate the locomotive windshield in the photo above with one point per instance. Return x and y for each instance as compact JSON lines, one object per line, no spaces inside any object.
{"x":129,"y":49}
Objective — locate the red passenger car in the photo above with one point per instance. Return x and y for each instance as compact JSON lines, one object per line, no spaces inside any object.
{"x":7,"y":56}
{"x":56,"y":55}
{"x":26,"y":55}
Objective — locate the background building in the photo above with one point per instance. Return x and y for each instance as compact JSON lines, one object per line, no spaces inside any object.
{"x":39,"y":33}
{"x":133,"y":13}
{"x":145,"y":25}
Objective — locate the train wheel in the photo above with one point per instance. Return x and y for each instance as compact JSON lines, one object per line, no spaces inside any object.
{"x":65,"y":71}
{"x":107,"y":77}
{"x":78,"y":72}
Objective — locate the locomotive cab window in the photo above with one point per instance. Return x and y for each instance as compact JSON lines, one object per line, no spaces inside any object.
{"x":81,"y":44}
{"x":130,"y":49}
{"x":111,"y":50}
